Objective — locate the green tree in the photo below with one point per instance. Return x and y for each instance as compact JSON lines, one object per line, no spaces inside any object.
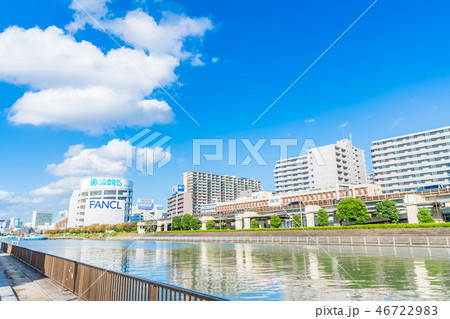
{"x":425,"y":216}
{"x":254,"y":224}
{"x":297,"y":220}
{"x":176,"y":223}
{"x":223,"y":225}
{"x":186,"y":221}
{"x":387,"y":209}
{"x":210,"y":225}
{"x":275,"y":221}
{"x":195,"y":224}
{"x":100,"y":228}
{"x":322,"y":217}
{"x":352,"y":210}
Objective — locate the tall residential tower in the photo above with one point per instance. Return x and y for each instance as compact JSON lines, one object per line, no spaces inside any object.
{"x":321,"y":168}
{"x":406,"y":163}
{"x":207,"y":188}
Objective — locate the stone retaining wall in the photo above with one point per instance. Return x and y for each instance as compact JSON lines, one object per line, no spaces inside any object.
{"x":319,"y":232}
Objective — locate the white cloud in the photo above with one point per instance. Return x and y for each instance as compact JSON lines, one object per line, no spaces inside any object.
{"x":74,"y":85}
{"x":196,"y":61}
{"x":8,"y":198}
{"x":215,"y":60}
{"x":159,"y":38}
{"x":96,"y":8}
{"x":309,"y":121}
{"x":343,"y":125}
{"x":107,"y":160}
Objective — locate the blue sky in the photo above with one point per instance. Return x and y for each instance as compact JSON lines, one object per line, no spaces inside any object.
{"x":225,"y":63}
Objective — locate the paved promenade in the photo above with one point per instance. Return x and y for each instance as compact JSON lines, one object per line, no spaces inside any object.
{"x":21,"y":282}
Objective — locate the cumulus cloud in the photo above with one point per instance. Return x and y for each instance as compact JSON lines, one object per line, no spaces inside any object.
{"x":215,"y":60}
{"x":106,"y":160}
{"x":141,"y":31}
{"x":8,"y":198}
{"x":96,"y":8}
{"x":74,"y":85}
{"x":196,"y":61}
{"x":309,"y":121}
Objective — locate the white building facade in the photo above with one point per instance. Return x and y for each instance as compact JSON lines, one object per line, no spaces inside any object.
{"x":408,"y":162}
{"x":41,"y":218}
{"x":101,"y":200}
{"x":148,"y":210}
{"x":321,"y":168}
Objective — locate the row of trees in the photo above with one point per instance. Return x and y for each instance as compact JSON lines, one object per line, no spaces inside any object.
{"x":124,"y":227}
{"x":186,"y":223}
{"x":354,"y":211}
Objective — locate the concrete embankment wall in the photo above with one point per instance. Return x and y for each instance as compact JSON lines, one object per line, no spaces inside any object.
{"x":409,"y":232}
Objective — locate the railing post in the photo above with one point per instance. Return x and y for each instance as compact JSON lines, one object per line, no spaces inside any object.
{"x":447,"y":240}
{"x":108,"y":286}
{"x":410,"y":241}
{"x":428,"y":241}
{"x":81,"y":284}
{"x":378,"y":240}
{"x":393,"y":240}
{"x":63,"y":279}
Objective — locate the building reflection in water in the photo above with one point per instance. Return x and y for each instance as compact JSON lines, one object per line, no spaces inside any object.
{"x":273,"y":272}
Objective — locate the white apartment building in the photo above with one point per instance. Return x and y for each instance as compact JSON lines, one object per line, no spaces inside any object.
{"x":321,"y":168}
{"x":207,"y":188}
{"x":101,"y":200}
{"x":406,"y":163}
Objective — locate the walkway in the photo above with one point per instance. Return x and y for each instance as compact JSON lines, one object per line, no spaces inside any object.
{"x":21,"y":282}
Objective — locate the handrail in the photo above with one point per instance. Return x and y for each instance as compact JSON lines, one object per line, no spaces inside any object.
{"x":93,"y":283}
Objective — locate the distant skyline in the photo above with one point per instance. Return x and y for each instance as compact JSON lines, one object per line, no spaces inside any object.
{"x":71,"y":98}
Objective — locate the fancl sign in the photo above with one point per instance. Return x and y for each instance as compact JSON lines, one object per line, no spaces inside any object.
{"x":178,"y":189}
{"x":104,"y":204}
{"x":106,"y":182}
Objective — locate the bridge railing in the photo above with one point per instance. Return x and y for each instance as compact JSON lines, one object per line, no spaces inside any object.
{"x":98,"y":284}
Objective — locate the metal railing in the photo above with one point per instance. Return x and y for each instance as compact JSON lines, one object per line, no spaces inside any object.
{"x":97,"y":284}
{"x":331,"y":240}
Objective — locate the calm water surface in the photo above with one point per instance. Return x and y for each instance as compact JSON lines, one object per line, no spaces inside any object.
{"x":272,"y":272}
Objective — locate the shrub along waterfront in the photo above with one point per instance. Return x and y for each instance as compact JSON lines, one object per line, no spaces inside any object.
{"x":369,"y":226}
{"x":98,"y":230}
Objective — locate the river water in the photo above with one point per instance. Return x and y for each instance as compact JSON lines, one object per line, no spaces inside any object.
{"x":242,"y":271}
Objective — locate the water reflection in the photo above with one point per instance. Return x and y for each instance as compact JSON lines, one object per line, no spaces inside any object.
{"x":273,"y":272}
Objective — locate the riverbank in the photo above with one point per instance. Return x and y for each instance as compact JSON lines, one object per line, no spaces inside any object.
{"x":439,"y":237}
{"x":409,"y":232}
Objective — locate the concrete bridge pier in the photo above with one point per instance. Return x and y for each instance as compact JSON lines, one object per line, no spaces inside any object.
{"x":310,"y":211}
{"x":243,"y":221}
{"x":238,"y":222}
{"x":204,"y":220}
{"x":411,"y":203}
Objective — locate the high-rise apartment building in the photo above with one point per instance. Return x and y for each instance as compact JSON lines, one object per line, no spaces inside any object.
{"x":209,"y":188}
{"x":408,"y":162}
{"x":321,"y":168}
